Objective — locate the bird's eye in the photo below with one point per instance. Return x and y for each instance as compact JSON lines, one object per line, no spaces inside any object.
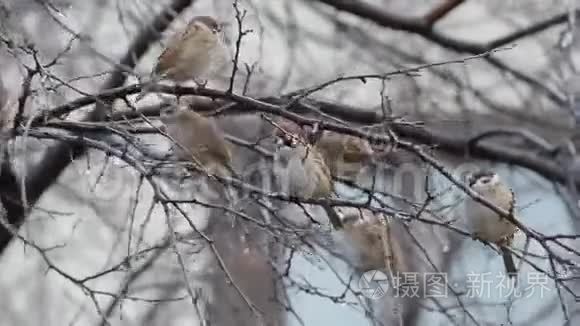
{"x":485,"y":180}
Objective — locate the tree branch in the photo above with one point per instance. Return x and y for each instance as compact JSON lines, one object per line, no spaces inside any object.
{"x":58,"y":157}
{"x":420,"y":27}
{"x":441,"y":11}
{"x":544,"y":166}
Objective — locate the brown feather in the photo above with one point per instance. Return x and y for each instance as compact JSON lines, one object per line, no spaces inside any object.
{"x":199,"y":137}
{"x":170,"y":55}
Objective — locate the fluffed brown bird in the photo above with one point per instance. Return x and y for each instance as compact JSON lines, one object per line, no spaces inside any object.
{"x":370,"y":238}
{"x":199,"y":140}
{"x":306,"y":174}
{"x":344,"y":154}
{"x":196,"y":52}
{"x":487,"y":224}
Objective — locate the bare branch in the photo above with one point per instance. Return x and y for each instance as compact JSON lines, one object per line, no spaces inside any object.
{"x":419,"y":27}
{"x":441,"y":11}
{"x":240,"y":15}
{"x":58,"y":158}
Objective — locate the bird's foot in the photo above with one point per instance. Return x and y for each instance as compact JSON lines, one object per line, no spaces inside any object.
{"x":476,"y":237}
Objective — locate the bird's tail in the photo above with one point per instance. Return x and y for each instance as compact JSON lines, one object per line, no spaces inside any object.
{"x":231,"y":172}
{"x":228,"y":190}
{"x":232,"y":201}
{"x":508,"y":261}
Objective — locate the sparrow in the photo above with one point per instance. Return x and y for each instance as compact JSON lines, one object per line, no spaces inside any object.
{"x":196,"y":52}
{"x":369,"y":236}
{"x":344,"y":154}
{"x":487,"y":224}
{"x":305,"y":173}
{"x":197,"y":139}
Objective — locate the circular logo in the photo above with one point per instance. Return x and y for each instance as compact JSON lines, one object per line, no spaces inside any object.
{"x":373,"y":284}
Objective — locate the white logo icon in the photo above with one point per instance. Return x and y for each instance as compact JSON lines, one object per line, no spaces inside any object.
{"x":373,"y":284}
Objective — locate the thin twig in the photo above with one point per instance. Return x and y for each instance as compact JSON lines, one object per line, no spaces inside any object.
{"x":240,"y":15}
{"x":529,"y":136}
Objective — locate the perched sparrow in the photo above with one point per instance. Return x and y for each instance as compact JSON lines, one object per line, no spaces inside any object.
{"x":370,"y":238}
{"x":487,"y":224}
{"x":197,"y":52}
{"x":344,"y":154}
{"x":198,"y":139}
{"x":306,"y":175}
